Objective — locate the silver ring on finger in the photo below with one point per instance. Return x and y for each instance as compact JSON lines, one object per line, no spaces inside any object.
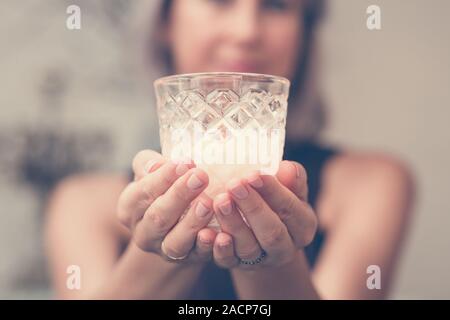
{"x":163,"y":250}
{"x":258,"y":260}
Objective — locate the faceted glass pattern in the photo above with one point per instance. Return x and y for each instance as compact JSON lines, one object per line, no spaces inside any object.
{"x":219,"y":109}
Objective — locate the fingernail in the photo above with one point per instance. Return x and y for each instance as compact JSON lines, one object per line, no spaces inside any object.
{"x":194,"y":182}
{"x":224,"y":244}
{"x":149,"y":166}
{"x":202,"y":211}
{"x":205,"y":241}
{"x":225,"y":208}
{"x":181,"y":169}
{"x":255,"y":181}
{"x":239,"y":191}
{"x":297,"y":170}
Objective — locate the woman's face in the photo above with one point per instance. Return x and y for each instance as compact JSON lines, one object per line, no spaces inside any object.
{"x":261,"y":36}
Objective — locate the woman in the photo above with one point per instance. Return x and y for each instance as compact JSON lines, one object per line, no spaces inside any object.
{"x":314,"y":230}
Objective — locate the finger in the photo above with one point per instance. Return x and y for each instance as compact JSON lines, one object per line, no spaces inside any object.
{"x":293,"y":176}
{"x":181,"y":239}
{"x":166,"y":210}
{"x":223,"y":251}
{"x":297,"y":215}
{"x":231,"y":222}
{"x":145,"y":161}
{"x":139,"y":195}
{"x":204,"y":244}
{"x":270,"y":232}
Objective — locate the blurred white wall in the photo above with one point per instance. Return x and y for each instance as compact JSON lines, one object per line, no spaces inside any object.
{"x":390,"y":90}
{"x":69,"y":101}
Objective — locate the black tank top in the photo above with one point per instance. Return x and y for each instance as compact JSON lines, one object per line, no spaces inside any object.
{"x":214,"y":282}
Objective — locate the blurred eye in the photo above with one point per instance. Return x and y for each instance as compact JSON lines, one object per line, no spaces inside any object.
{"x":279,"y":5}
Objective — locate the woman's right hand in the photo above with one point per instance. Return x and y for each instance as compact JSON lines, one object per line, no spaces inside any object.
{"x":151,"y":207}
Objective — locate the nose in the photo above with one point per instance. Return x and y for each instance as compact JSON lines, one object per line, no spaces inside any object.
{"x":243,"y":26}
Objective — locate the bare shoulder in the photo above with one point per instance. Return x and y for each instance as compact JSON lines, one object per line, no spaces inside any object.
{"x":369,"y":167}
{"x":90,"y":197}
{"x":354,"y":179}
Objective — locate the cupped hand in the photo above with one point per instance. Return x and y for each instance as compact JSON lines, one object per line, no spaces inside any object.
{"x":166,"y":210}
{"x":264,"y":219}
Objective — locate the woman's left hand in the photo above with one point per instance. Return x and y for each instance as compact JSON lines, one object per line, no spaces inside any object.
{"x":279,"y":219}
